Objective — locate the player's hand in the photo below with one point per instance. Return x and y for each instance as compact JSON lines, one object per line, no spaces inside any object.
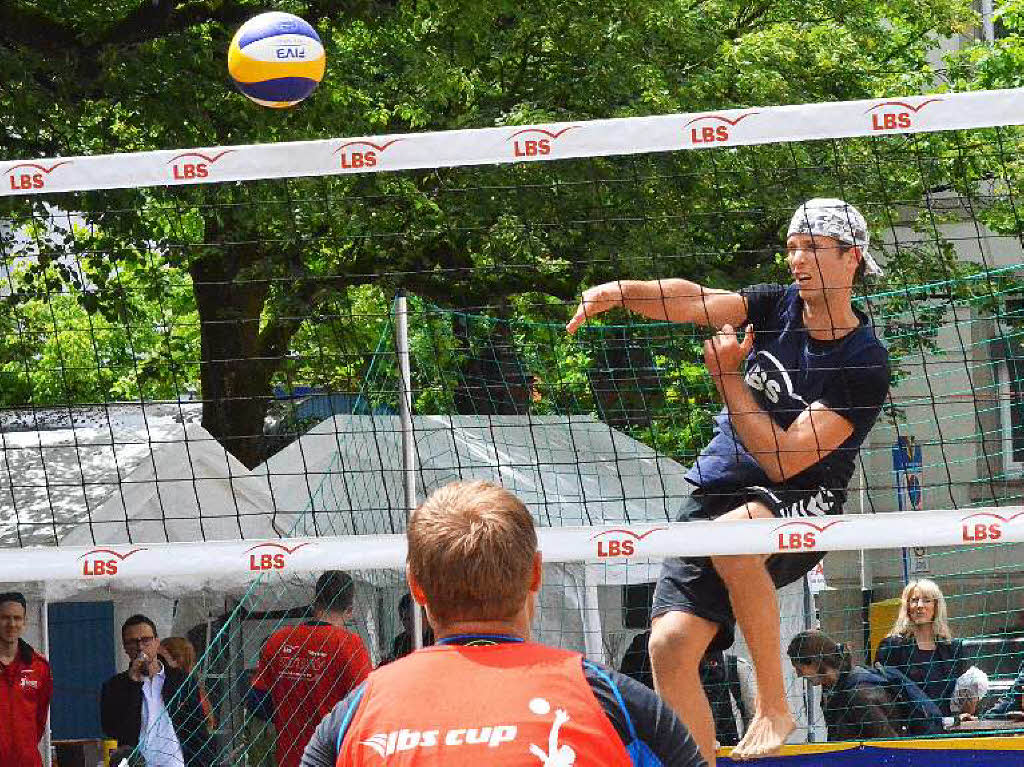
{"x":724,"y":353}
{"x":595,"y":301}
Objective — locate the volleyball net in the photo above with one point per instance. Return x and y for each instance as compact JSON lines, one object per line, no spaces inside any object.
{"x":201,"y":386}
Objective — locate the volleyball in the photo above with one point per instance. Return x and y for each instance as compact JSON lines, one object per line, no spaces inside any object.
{"x":276,"y":59}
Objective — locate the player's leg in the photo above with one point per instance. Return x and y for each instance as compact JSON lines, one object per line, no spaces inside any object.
{"x":752,"y":594}
{"x":691,"y":613}
{"x":678,"y":642}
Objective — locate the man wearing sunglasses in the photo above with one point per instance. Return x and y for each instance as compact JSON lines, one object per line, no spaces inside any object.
{"x":153,"y":707}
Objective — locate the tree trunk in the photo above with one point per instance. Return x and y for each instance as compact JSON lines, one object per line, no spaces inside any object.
{"x":493,"y":380}
{"x":236,"y":378}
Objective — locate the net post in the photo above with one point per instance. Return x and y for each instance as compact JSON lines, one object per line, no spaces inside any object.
{"x":408,"y":442}
{"x":866,"y":586}
{"x":44,"y":620}
{"x":810,"y":623}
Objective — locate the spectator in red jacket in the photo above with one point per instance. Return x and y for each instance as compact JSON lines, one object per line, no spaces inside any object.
{"x":26,"y":687}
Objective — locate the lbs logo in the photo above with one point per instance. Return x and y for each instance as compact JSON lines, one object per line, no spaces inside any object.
{"x":535,"y":142}
{"x":621,"y":542}
{"x":804,"y":537}
{"x":104,"y":561}
{"x":713,"y":129}
{"x":388,"y":743}
{"x":362,"y":154}
{"x":193,"y":165}
{"x":266,"y":560}
{"x":985,"y":526}
{"x":895,"y":115}
{"x":26,"y":176}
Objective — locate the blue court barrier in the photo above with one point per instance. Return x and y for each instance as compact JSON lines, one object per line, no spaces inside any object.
{"x":940,"y":752}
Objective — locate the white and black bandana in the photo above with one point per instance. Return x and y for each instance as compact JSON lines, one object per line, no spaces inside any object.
{"x":829,"y":217}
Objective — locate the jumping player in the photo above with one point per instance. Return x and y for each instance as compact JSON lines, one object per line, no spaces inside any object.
{"x":485,"y":694}
{"x":802,"y":385}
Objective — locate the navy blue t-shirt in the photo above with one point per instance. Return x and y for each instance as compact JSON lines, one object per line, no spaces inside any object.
{"x":787,"y":371}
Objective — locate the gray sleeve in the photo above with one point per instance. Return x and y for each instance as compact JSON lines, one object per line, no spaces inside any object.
{"x":322,"y":749}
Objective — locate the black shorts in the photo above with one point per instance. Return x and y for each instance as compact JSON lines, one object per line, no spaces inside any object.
{"x":692,"y":585}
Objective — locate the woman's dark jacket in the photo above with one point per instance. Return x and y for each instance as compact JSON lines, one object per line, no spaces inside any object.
{"x":937,"y":675}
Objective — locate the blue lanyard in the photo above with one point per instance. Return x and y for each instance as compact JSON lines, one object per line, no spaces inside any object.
{"x":479,"y":639}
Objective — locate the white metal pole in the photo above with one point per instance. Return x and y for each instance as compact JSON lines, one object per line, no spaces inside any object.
{"x":988,"y":23}
{"x":408,"y":438}
{"x":866,"y":584}
{"x":44,"y":616}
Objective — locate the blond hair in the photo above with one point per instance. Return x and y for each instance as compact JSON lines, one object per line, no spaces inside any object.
{"x":181,"y":651}
{"x":471,"y":550}
{"x":904,"y":627}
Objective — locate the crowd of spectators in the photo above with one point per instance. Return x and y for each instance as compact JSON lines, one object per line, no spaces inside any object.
{"x":922,"y":681}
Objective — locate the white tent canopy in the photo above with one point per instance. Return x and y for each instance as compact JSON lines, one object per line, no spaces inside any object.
{"x":151,"y":474}
{"x":58,"y":467}
{"x":187,"y":488}
{"x":345,"y":476}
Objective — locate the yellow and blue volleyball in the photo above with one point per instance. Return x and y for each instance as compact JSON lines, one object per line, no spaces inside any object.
{"x":276,"y":59}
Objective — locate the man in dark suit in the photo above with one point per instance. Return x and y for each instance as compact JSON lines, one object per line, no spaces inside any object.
{"x":153,"y":706}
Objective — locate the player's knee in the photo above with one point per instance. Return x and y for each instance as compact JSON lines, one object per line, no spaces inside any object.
{"x":662,"y":643}
{"x":676,"y":644}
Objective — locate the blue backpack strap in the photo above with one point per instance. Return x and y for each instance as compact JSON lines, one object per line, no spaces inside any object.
{"x":352,"y":706}
{"x":639,"y":752}
{"x":606,"y":677}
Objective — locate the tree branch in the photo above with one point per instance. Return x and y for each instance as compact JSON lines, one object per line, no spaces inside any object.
{"x":152,"y":20}
{"x":22,"y":26}
{"x":277,"y":334}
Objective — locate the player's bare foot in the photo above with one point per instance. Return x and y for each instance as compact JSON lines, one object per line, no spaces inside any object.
{"x":765,"y":736}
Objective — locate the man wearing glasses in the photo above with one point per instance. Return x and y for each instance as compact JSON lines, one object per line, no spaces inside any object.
{"x":143,"y":708}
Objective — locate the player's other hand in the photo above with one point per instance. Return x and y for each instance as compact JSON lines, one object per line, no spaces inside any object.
{"x":724,"y":353}
{"x":595,"y":301}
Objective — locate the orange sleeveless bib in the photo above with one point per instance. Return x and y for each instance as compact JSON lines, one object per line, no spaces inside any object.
{"x":499,"y":705}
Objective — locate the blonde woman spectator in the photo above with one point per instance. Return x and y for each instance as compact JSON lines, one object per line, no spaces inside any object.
{"x":179,"y":653}
{"x":921,"y":644}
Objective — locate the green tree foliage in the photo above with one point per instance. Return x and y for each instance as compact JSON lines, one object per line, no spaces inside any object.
{"x":278,"y":271}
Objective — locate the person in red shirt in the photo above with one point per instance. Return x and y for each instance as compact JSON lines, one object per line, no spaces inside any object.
{"x":26,"y":687}
{"x":305,"y":670}
{"x":485,"y":694}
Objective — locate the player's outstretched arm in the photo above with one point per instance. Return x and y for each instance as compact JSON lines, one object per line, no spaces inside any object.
{"x":674,"y":300}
